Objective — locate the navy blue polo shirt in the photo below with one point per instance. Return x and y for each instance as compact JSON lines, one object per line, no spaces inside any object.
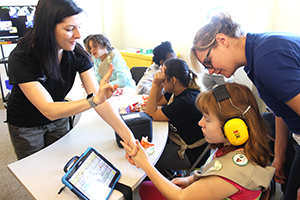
{"x":273,"y":65}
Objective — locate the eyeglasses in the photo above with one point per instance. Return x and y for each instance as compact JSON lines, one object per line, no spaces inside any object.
{"x":207,"y":64}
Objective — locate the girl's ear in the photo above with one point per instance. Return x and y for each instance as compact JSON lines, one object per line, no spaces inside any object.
{"x":161,"y":62}
{"x":174,"y":80}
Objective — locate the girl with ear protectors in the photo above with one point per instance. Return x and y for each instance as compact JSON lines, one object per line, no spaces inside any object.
{"x":236,"y":169}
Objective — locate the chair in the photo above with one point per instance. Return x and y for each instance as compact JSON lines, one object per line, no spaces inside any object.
{"x":137,"y":73}
{"x":198,"y":160}
{"x":187,"y":172}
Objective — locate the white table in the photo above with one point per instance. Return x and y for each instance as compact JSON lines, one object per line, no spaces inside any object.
{"x":41,"y":172}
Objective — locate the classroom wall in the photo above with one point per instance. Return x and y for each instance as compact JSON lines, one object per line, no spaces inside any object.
{"x":145,"y":25}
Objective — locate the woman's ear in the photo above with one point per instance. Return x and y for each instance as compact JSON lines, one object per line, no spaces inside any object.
{"x":222,"y":39}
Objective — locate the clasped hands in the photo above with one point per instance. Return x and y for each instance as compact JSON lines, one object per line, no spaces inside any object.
{"x":135,"y":155}
{"x":141,"y":160}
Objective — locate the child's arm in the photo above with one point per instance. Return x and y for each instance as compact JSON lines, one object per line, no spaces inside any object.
{"x":211,"y":187}
{"x":156,"y":98}
{"x":183,"y":182}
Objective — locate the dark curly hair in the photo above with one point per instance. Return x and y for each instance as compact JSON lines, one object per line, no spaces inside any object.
{"x":160,"y":52}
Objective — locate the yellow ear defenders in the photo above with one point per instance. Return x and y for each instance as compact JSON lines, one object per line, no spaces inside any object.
{"x":235,"y":129}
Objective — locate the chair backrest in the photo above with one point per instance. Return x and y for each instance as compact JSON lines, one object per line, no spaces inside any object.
{"x":137,"y":73}
{"x":201,"y":156}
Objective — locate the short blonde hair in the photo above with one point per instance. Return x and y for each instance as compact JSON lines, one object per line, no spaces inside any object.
{"x":220,"y":22}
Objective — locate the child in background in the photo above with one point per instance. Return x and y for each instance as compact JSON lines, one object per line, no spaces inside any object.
{"x":85,"y":43}
{"x":103,"y":54}
{"x":186,"y":141}
{"x":238,"y":169}
{"x":161,"y":53}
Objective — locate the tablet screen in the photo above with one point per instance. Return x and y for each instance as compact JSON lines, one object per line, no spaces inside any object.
{"x":94,"y":176}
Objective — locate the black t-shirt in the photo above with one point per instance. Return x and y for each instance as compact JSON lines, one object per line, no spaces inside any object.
{"x":184,"y":118}
{"x":22,"y":68}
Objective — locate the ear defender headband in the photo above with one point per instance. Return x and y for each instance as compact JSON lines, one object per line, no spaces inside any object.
{"x":235,"y":129}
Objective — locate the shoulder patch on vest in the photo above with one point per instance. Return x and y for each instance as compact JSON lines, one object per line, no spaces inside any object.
{"x":240,"y":159}
{"x":217,"y":166}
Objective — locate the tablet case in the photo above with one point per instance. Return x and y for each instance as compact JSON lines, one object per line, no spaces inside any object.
{"x":76,"y":160}
{"x":139,"y":123}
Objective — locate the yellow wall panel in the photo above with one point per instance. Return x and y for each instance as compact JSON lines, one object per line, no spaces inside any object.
{"x":137,"y":59}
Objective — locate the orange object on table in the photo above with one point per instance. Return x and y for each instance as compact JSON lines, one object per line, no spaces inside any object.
{"x":149,"y":148}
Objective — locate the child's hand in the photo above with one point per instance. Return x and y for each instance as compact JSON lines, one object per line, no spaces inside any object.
{"x":181,"y":182}
{"x":140,"y":159}
{"x":129,"y":159}
{"x":159,"y":77}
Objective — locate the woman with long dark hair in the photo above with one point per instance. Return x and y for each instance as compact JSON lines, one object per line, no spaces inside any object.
{"x":42,"y":70}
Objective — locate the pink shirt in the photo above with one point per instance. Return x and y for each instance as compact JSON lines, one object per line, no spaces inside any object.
{"x":243,"y":193}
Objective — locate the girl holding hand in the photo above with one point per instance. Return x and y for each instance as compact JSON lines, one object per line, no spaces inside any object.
{"x":238,"y":167}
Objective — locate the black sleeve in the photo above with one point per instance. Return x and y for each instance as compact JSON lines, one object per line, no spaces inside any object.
{"x":21,"y":67}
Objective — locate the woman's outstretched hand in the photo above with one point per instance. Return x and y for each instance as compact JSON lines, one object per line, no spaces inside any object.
{"x":106,"y":89}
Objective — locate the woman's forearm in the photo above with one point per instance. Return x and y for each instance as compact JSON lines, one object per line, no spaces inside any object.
{"x":281,"y":141}
{"x":108,"y":114}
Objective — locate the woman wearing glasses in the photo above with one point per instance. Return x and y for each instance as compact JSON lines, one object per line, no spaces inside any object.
{"x":272,"y":62}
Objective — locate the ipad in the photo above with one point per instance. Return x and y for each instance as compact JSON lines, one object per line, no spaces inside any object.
{"x":91,"y":176}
